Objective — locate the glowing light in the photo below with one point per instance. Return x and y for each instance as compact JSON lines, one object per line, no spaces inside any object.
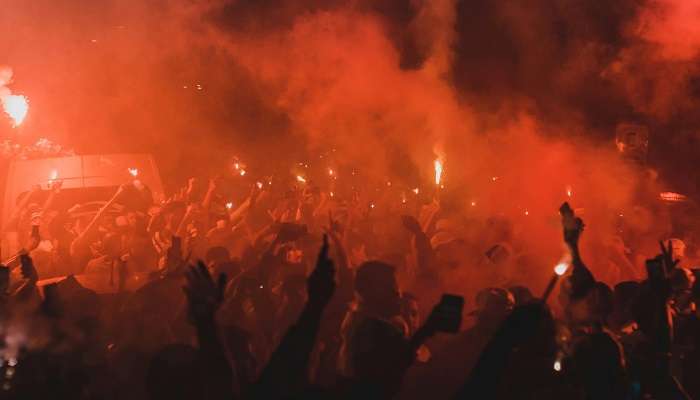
{"x":53,"y":175}
{"x":527,"y":212}
{"x":416,"y":191}
{"x":561,"y":268}
{"x":237,"y":166}
{"x":371,"y":205}
{"x":242,"y":172}
{"x":229,"y":205}
{"x":494,"y":178}
{"x":557,"y":366}
{"x":438,"y":171}
{"x":388,"y":184}
{"x":672,"y":197}
{"x":301,"y":179}
{"x":259,"y":185}
{"x":16,"y":107}
{"x":134,"y":172}
{"x":569,"y":191}
{"x":473,"y":203}
{"x":332,"y":195}
{"x":331,"y":172}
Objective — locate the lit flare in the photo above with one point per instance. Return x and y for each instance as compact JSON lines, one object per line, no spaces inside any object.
{"x":438,"y":171}
{"x":561,"y":268}
{"x":16,"y":107}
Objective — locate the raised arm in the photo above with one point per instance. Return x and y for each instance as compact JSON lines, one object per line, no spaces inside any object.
{"x":425,"y":256}
{"x":93,"y":223}
{"x":55,"y":189}
{"x":204,"y":297}
{"x":582,"y":280}
{"x":287,"y":371}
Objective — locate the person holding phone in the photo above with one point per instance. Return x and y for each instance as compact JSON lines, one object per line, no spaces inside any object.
{"x":377,"y":349}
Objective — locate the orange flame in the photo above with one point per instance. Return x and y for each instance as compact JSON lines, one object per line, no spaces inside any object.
{"x":438,"y":171}
{"x":569,"y":191}
{"x":229,"y":205}
{"x":301,"y":179}
{"x":16,"y":107}
{"x":134,"y":172}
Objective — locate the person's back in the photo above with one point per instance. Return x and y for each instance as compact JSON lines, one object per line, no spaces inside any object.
{"x":374,"y":334}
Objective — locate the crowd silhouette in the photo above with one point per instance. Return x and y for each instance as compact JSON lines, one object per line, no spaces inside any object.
{"x":205,"y":300}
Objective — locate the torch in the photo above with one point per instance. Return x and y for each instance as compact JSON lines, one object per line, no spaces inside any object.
{"x":559,"y":270}
{"x":16,"y":107}
{"x":438,"y":171}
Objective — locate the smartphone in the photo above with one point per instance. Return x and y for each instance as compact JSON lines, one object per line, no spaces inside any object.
{"x":450,"y":313}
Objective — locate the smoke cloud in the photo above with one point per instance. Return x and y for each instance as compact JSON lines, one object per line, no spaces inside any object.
{"x":525,"y":92}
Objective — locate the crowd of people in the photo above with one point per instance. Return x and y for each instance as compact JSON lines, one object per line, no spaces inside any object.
{"x":198,"y":297}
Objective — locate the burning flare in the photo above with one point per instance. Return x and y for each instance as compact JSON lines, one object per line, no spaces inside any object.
{"x":561,"y":268}
{"x":134,"y":172}
{"x":16,"y":107}
{"x":53,"y":175}
{"x":438,"y":171}
{"x":301,"y":179}
{"x":557,"y":366}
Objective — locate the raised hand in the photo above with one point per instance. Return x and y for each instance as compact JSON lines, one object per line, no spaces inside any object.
{"x":321,"y":283}
{"x":173,"y":256}
{"x":213,"y":184}
{"x":411,"y":224}
{"x":204,"y":295}
{"x":334,"y":227}
{"x":666,"y":257}
{"x":27,"y":267}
